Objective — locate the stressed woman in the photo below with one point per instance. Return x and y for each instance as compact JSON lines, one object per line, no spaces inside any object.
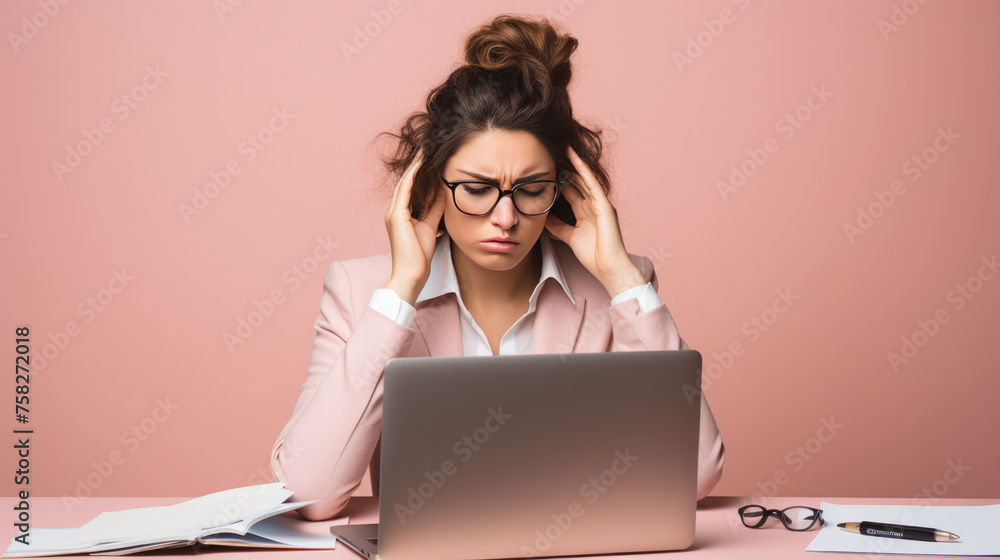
{"x":502,"y":241}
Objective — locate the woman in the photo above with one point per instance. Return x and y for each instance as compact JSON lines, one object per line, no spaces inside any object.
{"x":480,"y":263}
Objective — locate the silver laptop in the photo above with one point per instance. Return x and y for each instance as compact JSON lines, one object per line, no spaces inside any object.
{"x":535,"y":455}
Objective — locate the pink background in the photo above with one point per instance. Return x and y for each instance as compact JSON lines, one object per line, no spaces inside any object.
{"x":201,"y":82}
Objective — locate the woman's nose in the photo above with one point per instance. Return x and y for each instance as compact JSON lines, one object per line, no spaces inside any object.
{"x":504,"y":215}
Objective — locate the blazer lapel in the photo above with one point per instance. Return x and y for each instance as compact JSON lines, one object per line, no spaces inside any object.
{"x":437,"y":324}
{"x":557,"y":321}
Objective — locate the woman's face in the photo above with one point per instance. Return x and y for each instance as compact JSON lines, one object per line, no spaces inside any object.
{"x":507,"y":157}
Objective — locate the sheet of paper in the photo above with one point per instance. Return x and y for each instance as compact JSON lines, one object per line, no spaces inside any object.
{"x":976,"y":525}
{"x":43,"y":540}
{"x":213,"y":510}
{"x":65,"y":540}
{"x":280,"y":530}
{"x":278,"y":508}
{"x":229,"y":511}
{"x":142,"y":548}
{"x":298,"y":532}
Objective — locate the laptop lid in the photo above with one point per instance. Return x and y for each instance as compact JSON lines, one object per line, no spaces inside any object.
{"x":539,"y":455}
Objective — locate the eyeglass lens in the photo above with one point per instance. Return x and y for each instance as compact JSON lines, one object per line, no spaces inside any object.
{"x":753,"y":516}
{"x":798,"y":518}
{"x":795,"y":518}
{"x":529,"y":198}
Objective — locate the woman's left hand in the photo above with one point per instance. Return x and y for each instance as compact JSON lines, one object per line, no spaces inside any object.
{"x":596,"y":239}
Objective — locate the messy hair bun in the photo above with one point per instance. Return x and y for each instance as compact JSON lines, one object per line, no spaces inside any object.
{"x":515,"y":78}
{"x":536,"y":51}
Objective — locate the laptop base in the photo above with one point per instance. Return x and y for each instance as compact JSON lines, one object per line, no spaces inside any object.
{"x":362,"y":538}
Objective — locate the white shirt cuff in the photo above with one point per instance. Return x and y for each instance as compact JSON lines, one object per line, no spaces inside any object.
{"x":645,"y":294}
{"x":388,"y":303}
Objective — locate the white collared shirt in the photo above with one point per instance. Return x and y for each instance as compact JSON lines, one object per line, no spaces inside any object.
{"x":517,"y":339}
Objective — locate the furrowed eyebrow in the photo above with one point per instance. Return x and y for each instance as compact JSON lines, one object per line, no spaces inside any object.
{"x":489,"y":179}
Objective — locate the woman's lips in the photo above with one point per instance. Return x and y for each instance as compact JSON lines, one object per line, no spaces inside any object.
{"x":498,"y":246}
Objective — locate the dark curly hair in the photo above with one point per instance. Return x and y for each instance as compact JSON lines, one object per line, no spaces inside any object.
{"x":515,"y":78}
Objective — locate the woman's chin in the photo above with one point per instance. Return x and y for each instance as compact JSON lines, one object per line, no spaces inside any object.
{"x":497,"y":262}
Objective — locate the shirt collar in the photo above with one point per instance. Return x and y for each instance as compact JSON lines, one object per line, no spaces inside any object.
{"x":443,"y":280}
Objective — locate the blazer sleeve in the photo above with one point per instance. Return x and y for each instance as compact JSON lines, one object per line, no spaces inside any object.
{"x":633,"y":330}
{"x":324,"y":449}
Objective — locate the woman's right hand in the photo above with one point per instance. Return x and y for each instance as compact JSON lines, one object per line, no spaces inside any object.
{"x":411,"y":241}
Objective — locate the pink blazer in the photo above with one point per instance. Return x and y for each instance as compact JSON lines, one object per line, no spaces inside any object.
{"x":334,"y":433}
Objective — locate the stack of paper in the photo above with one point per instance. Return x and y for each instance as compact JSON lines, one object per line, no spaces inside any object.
{"x":977,"y":527}
{"x":237,"y":517}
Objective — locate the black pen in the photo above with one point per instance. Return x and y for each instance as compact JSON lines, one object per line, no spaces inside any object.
{"x":892,"y":531}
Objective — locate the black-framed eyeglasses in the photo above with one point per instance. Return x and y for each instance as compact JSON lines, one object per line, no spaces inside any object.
{"x":795,"y":518}
{"x":531,"y":198}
